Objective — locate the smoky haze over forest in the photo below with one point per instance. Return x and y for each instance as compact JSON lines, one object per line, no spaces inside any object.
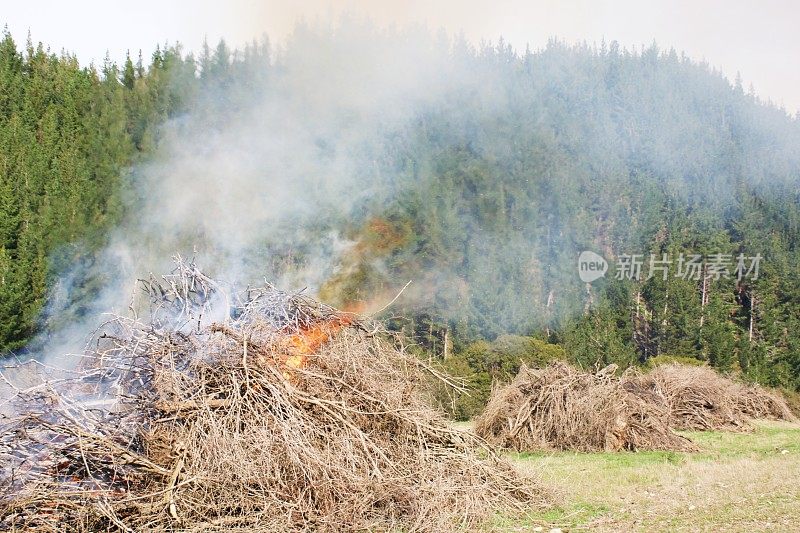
{"x":375,"y":277}
{"x":354,"y":159}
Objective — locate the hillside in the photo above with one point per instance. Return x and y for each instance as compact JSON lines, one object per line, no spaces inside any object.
{"x":353,"y":162}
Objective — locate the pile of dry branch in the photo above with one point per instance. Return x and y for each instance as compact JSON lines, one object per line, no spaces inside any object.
{"x":757,"y":402}
{"x":699,"y":398}
{"x":565,"y":408}
{"x":282,"y":414}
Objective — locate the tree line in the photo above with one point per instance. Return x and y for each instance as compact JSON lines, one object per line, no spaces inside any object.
{"x":486,"y":197}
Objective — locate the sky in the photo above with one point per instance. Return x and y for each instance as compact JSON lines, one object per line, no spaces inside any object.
{"x":760,"y":40}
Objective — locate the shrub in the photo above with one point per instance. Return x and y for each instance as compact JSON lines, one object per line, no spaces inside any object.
{"x":666,"y":359}
{"x":482,"y":363}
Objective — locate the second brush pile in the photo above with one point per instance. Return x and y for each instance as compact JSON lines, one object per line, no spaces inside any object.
{"x":561,"y":407}
{"x":699,"y":398}
{"x":278,"y":414}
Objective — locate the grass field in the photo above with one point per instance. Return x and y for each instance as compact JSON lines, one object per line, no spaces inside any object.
{"x":737,"y":482}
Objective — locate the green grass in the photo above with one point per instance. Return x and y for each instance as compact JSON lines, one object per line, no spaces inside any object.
{"x":736,"y":482}
{"x":768,"y":439}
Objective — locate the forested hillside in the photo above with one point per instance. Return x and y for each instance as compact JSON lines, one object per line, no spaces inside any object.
{"x":483,"y":187}
{"x":68,"y":135}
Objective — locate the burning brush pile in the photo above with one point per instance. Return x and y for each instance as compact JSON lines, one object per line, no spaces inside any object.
{"x":283,"y":414}
{"x":562,"y":407}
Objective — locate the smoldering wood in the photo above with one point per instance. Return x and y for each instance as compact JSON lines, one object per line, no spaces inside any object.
{"x":279,"y":414}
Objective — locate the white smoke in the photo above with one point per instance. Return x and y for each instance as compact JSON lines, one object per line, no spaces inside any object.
{"x":260,"y":172}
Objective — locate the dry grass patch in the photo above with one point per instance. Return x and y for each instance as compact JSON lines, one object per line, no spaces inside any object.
{"x":737,"y":482}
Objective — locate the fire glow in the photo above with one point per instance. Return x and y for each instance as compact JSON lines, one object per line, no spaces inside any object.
{"x":309,"y":339}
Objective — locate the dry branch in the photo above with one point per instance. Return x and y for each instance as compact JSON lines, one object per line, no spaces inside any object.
{"x":561,"y":407}
{"x":699,"y":398}
{"x":284,"y":415}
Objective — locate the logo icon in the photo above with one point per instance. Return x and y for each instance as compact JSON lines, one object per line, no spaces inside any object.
{"x":591,"y":266}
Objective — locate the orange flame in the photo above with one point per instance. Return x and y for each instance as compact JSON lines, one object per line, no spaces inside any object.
{"x":309,"y":340}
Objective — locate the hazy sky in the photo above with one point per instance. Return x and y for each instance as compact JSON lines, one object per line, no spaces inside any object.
{"x":759,"y":39}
